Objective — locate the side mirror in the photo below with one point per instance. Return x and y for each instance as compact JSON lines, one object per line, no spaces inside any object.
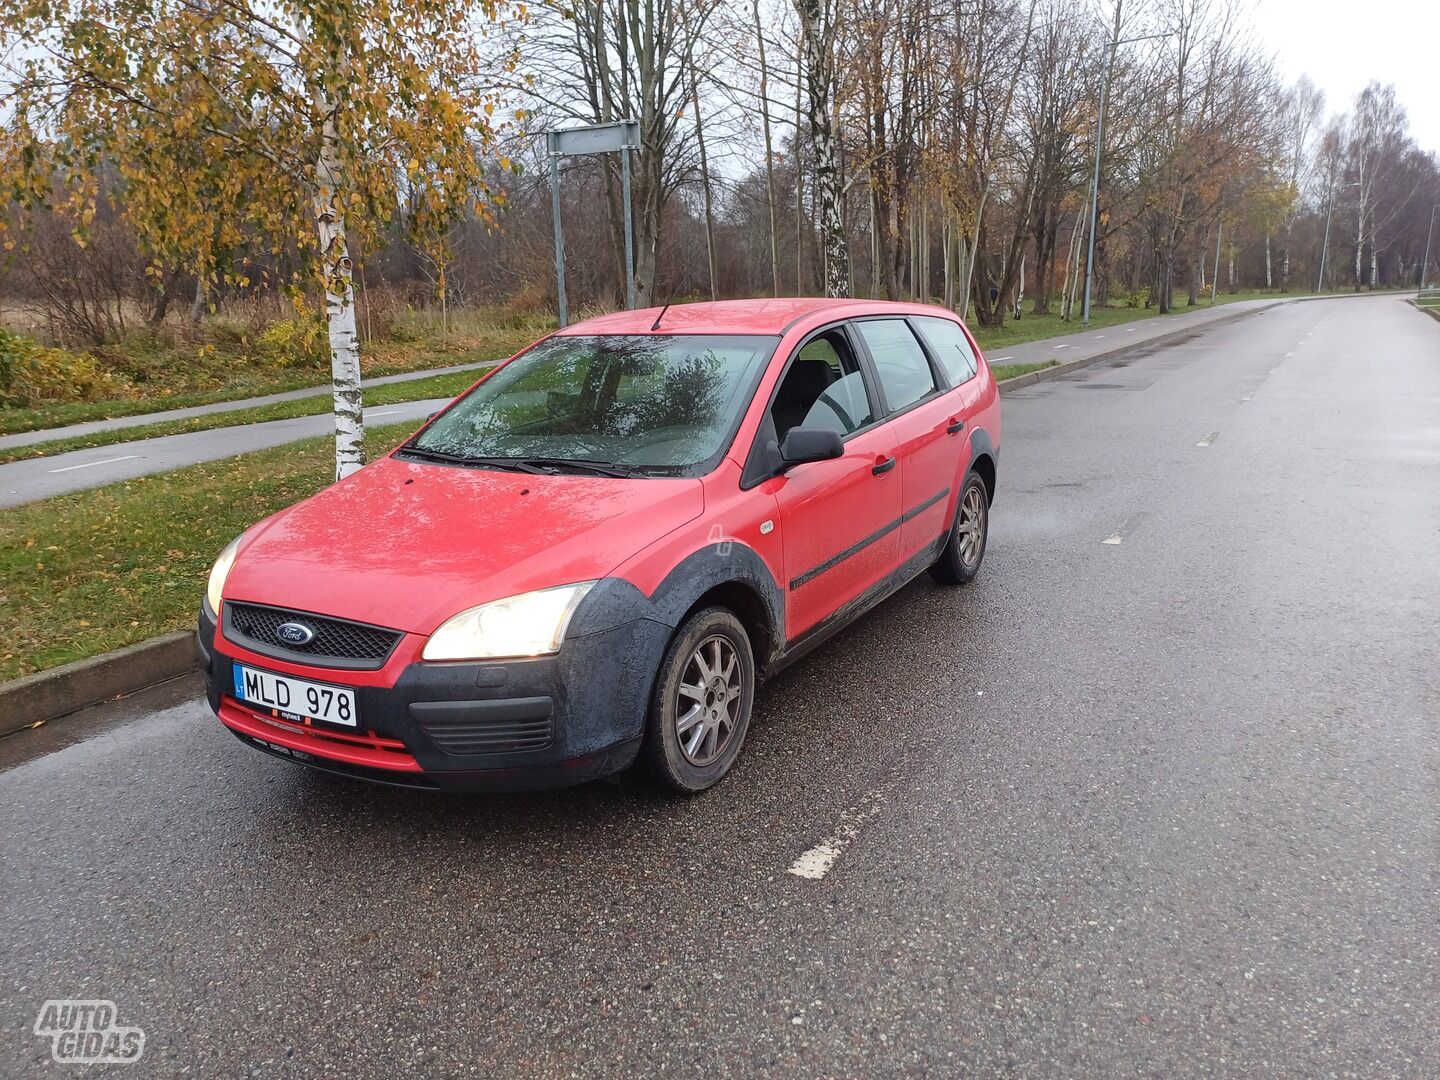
{"x":810,"y":444}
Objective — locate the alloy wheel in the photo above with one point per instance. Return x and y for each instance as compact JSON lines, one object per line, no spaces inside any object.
{"x":709,"y":699}
{"x":970,"y":529}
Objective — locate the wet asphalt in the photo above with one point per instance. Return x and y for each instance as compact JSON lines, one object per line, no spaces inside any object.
{"x":1166,"y":805}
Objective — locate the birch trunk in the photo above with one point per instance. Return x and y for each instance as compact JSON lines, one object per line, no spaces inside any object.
{"x":1269,"y":281}
{"x":819,"y":61}
{"x":339,"y":305}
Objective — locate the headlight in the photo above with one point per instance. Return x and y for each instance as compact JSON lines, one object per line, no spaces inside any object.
{"x":531,"y":624}
{"x":219,"y":572}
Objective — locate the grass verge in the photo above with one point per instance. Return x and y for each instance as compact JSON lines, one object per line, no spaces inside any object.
{"x":1010,"y":371}
{"x":97,"y":570}
{"x":437,"y":386}
{"x":228,"y":361}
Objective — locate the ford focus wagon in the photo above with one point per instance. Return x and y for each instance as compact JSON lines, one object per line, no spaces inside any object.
{"x":590,"y":560}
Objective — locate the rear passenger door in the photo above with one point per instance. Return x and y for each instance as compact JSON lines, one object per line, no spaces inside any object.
{"x":926,"y":415}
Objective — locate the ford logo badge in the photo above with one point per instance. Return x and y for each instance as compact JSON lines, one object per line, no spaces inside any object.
{"x":295,"y":633}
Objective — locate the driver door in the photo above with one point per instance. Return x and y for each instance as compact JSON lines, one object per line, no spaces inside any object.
{"x":838,"y":519}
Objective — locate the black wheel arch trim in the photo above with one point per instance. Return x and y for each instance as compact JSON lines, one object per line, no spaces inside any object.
{"x":727,"y":564}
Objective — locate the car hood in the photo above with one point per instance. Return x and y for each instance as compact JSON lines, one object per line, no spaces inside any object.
{"x":408,"y":544}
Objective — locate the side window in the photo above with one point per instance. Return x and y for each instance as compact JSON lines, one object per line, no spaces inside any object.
{"x":899,"y":361}
{"x":823,"y":388}
{"x":950,"y":347}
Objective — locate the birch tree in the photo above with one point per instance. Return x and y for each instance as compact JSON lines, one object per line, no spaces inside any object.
{"x":818,"y":31}
{"x":266,"y":126}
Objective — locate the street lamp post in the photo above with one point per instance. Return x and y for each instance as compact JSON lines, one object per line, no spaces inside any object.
{"x":1425,"y":262}
{"x":1115,"y":43}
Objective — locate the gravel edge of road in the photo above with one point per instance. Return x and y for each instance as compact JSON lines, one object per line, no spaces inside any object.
{"x":44,"y":696}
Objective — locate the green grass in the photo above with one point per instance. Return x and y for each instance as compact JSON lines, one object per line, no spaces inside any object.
{"x":1031,"y":327}
{"x":97,"y":570}
{"x":228,"y":362}
{"x":1011,"y":371}
{"x":437,"y":386}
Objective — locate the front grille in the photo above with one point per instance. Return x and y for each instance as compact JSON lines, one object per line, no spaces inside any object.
{"x":489,"y":735}
{"x":351,"y":643}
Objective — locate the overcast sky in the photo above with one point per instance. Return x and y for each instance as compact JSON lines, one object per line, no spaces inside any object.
{"x":1342,"y":46}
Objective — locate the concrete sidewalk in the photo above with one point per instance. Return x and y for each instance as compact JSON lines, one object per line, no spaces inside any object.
{"x":29,"y":438}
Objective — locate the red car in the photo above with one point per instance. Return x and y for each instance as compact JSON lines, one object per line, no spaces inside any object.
{"x":589,"y":560}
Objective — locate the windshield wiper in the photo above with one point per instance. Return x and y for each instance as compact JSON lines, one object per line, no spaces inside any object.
{"x":510,"y":464}
{"x":601,"y":468}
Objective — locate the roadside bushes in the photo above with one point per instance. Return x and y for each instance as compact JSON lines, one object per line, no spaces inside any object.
{"x":31,"y":373}
{"x":296,"y":342}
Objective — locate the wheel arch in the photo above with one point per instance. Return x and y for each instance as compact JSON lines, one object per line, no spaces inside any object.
{"x":982,"y":462}
{"x":731,"y":575}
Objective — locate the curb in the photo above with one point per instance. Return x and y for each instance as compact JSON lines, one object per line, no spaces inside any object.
{"x":1059,"y":370}
{"x":1433,"y":312}
{"x":48,"y":695}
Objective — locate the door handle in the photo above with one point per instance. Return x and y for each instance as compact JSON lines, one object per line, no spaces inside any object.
{"x":955,"y":427}
{"x":882,"y":465}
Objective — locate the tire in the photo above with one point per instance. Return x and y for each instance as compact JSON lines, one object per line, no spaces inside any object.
{"x":689,"y":687}
{"x":964,"y":549}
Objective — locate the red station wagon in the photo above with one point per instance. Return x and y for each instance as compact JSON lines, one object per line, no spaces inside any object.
{"x":589,"y":560}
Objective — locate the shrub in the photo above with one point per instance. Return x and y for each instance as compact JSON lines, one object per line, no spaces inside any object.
{"x":31,"y":373}
{"x":297,"y":342}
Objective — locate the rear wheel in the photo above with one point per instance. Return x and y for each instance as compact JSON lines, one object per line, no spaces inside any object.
{"x":700,"y":708}
{"x":964,"y":549}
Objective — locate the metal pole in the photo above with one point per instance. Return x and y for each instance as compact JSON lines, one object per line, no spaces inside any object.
{"x":1095,"y":188}
{"x":1325,"y":244}
{"x":629,"y":232}
{"x":1425,"y":263}
{"x":1215,"y":279}
{"x":559,"y":237}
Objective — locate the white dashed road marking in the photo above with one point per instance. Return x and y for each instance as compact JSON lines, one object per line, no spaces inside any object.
{"x":92,"y":464}
{"x":1062,"y":346}
{"x":1126,"y":528}
{"x":1208,"y":439}
{"x":816,"y":863}
{"x":997,"y":359}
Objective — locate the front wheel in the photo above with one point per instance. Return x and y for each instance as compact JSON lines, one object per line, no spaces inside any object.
{"x":959,"y":561}
{"x":700,"y":709}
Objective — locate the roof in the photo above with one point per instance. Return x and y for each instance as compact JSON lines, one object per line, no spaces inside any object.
{"x":764,"y":316}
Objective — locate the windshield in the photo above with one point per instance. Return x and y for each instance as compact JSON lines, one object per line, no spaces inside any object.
{"x":646,"y":403}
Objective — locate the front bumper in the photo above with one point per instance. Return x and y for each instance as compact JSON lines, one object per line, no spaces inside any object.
{"x":503,"y":725}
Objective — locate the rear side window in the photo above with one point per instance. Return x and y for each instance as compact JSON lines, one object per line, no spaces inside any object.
{"x":950,"y":347}
{"x":900,"y":363}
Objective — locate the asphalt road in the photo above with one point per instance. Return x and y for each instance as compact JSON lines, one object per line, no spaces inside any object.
{"x":40,"y":478}
{"x":1158,"y":795}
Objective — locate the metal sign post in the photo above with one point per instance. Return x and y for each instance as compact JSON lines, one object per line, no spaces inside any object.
{"x":620,"y":137}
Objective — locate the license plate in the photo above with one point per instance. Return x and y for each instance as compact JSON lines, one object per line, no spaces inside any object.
{"x":295,"y":700}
